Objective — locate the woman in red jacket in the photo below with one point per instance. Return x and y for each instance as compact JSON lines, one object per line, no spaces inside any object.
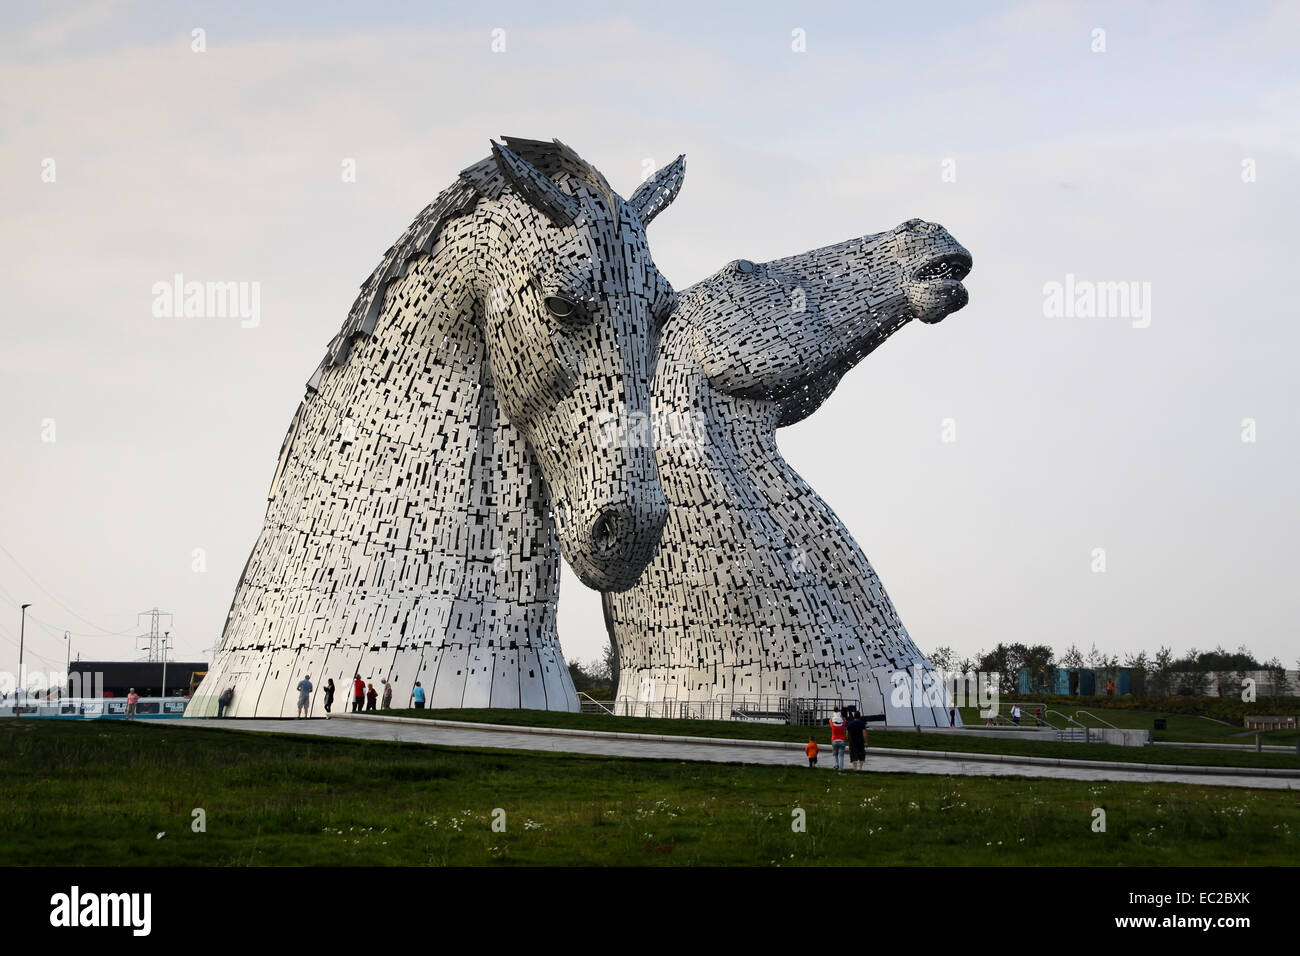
{"x":839,"y":739}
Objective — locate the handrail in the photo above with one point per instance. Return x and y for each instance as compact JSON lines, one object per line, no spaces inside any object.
{"x":1095,"y":717}
{"x":1058,"y":714}
{"x":598,"y":703}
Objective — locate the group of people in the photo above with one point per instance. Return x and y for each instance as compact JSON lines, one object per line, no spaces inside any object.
{"x":365,"y":696}
{"x":846,"y":734}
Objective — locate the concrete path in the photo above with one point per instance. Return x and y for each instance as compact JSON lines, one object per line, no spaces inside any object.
{"x":448,"y":734}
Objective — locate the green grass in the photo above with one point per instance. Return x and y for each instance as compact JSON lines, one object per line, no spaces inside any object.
{"x":903,"y":739}
{"x":100,"y":792}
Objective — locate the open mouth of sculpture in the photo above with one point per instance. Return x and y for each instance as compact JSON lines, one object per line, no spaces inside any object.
{"x":951,"y":266}
{"x":935,"y":289}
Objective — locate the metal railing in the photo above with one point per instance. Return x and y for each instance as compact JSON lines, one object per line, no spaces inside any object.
{"x":591,"y":705}
{"x":761,"y":708}
{"x":1094,"y":717}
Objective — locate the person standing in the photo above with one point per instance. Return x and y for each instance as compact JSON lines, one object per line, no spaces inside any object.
{"x":224,"y":700}
{"x":857,"y":732}
{"x":1015,"y":714}
{"x":358,"y":694}
{"x":388,"y":695}
{"x":371,"y":696}
{"x":1038,"y":715}
{"x":132,"y":699}
{"x":304,"y":696}
{"x":811,"y":751}
{"x":329,"y":697}
{"x":952,"y":715}
{"x":838,"y":741}
{"x":418,"y":696}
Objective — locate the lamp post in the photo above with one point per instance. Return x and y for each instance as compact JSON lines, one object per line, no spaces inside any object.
{"x":163,"y":706}
{"x":67,"y":668}
{"x":22,"y":635}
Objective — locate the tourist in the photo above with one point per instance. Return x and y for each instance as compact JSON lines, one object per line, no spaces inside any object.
{"x":371,"y":696}
{"x":952,"y":715}
{"x":1015,"y":714}
{"x":388,"y":695}
{"x":304,"y":696}
{"x":131,"y":700}
{"x":358,"y":694}
{"x":418,"y":696}
{"x":224,"y":700}
{"x":811,"y":751}
{"x":857,"y":731}
{"x":838,"y":741}
{"x":329,"y":697}
{"x":1038,"y":715}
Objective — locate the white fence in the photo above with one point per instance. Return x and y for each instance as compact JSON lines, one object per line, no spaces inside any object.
{"x":92,"y":707}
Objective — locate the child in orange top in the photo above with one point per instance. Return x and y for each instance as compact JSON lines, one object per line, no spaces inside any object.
{"x":811,"y":751}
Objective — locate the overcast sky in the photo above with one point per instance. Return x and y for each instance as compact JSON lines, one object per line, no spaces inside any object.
{"x":1166,"y":159}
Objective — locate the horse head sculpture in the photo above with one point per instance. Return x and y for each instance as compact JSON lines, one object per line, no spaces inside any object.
{"x":757,"y":590}
{"x":449,"y":438}
{"x":789,"y":329}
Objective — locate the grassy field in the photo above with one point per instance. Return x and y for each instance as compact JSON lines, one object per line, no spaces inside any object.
{"x":101,"y":793}
{"x":743,"y":730}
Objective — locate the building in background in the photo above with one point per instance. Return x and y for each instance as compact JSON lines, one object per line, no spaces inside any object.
{"x":118,"y":677}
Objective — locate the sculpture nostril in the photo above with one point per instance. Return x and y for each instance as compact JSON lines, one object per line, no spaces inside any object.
{"x":604,"y":532}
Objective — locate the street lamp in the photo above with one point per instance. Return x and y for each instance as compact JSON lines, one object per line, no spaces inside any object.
{"x":22,"y":635}
{"x":67,"y":668}
{"x":163,"y":706}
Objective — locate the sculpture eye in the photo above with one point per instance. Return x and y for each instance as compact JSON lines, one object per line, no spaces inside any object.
{"x":563,"y":308}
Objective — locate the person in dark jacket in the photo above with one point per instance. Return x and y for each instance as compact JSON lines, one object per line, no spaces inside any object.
{"x":372,"y":695}
{"x":857,"y":732}
{"x":329,"y":696}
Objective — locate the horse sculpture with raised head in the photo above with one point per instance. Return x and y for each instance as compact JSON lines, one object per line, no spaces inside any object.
{"x":447,"y":442}
{"x":757,"y":589}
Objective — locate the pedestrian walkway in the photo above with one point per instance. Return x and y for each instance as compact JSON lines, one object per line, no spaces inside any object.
{"x":445,"y":734}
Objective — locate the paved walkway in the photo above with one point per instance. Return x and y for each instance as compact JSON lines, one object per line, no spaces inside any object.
{"x":446,"y":734}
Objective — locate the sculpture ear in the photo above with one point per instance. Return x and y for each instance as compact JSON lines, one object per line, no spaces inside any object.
{"x":654,"y":195}
{"x":529,"y":182}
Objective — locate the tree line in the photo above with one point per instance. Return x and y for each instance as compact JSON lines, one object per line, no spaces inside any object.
{"x":1188,"y":675}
